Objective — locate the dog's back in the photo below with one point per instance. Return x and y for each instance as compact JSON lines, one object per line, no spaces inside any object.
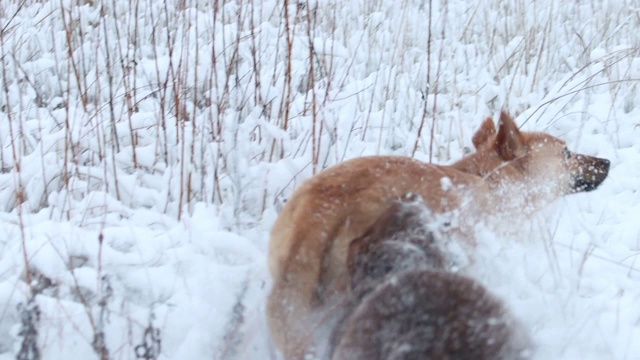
{"x":310,"y":239}
{"x":430,"y":314}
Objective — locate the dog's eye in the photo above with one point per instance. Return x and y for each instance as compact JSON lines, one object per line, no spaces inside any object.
{"x":566,"y":153}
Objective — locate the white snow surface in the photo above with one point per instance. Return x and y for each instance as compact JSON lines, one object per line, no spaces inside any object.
{"x":147,"y":146}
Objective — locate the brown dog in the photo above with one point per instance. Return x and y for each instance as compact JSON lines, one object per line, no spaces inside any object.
{"x":511,"y":172}
{"x":405,"y":303}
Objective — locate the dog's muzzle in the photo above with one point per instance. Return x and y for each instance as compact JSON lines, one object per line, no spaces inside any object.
{"x":591,"y":173}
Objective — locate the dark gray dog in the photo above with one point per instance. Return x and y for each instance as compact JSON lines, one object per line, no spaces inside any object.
{"x":406,"y":304}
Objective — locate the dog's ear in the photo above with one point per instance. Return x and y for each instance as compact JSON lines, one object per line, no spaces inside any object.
{"x":509,"y":142}
{"x":486,"y":131}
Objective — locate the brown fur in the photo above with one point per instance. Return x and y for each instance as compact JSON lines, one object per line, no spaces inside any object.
{"x":407,"y":305}
{"x":511,"y":172}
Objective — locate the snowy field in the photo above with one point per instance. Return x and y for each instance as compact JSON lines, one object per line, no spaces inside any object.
{"x":146,"y":147}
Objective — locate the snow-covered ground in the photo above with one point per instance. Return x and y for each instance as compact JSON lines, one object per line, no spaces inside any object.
{"x":146,"y":147}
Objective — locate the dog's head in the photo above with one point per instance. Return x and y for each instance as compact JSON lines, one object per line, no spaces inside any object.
{"x":535,"y":158}
{"x":400,"y":239}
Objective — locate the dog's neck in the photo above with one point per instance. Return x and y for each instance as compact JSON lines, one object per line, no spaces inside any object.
{"x":479,"y":163}
{"x":487,"y":165}
{"x":504,"y":189}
